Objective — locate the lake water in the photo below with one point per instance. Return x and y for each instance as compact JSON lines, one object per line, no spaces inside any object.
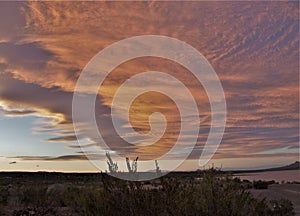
{"x":278,"y":176}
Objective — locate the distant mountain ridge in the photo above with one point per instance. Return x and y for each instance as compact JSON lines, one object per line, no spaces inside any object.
{"x":293,"y":166}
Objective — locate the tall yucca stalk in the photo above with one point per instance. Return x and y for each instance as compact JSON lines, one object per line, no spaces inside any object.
{"x":112,"y":166}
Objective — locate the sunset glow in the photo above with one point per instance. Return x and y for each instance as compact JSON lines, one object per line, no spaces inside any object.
{"x":44,"y":46}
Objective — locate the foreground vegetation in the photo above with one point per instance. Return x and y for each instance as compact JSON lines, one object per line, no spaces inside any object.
{"x":208,"y":193}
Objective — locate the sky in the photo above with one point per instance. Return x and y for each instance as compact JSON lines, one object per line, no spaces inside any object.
{"x":44,"y":47}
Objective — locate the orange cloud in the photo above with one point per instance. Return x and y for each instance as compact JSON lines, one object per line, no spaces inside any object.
{"x":253,"y":46}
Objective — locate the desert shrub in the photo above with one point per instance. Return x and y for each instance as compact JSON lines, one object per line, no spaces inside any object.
{"x":1,"y":206}
{"x":3,"y":198}
{"x":214,"y":195}
{"x":262,"y":184}
{"x":37,"y":199}
{"x":87,"y":201}
{"x":282,"y":207}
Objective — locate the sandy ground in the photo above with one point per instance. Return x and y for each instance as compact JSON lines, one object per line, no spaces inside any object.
{"x":279,"y":191}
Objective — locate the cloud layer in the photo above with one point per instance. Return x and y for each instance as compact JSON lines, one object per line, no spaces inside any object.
{"x":253,"y":47}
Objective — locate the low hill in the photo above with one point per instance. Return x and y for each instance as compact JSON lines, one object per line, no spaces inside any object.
{"x":293,"y":166}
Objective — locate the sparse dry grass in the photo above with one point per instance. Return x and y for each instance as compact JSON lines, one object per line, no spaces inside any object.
{"x":214,"y":194}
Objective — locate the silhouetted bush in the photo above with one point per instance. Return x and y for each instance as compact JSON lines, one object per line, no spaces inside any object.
{"x":211,"y":193}
{"x":3,"y":198}
{"x":37,"y":200}
{"x":282,"y":207}
{"x":262,"y":184}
